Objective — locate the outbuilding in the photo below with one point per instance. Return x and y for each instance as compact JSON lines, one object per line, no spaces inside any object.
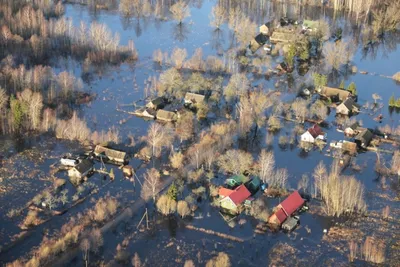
{"x":110,"y":154}
{"x":192,"y":98}
{"x":156,"y":103}
{"x":167,"y":116}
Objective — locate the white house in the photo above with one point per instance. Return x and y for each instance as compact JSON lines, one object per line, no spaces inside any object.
{"x":312,"y":134}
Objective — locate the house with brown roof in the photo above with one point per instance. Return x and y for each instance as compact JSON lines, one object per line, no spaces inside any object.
{"x":232,"y":200}
{"x":335,"y":94}
{"x":192,"y":98}
{"x":164,"y":115}
{"x":313,"y":133}
{"x":348,"y":107}
{"x":286,"y":208}
{"x":110,"y":154}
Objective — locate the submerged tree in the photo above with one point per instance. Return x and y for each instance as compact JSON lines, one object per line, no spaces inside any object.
{"x":151,"y":184}
{"x":180,"y":10}
{"x":218,"y":16}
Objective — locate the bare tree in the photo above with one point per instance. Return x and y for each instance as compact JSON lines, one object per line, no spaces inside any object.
{"x":155,"y":137}
{"x":218,"y":16}
{"x":300,"y":109}
{"x":85,"y":247}
{"x":151,"y":184}
{"x":376,"y":97}
{"x":266,"y":162}
{"x":338,"y":54}
{"x":178,"y":57}
{"x":136,"y":262}
{"x":166,"y":205}
{"x":320,"y":174}
{"x":222,"y":259}
{"x":180,"y":10}
{"x":183,"y":208}
{"x":177,"y":160}
{"x":235,"y":161}
{"x":280,"y":178}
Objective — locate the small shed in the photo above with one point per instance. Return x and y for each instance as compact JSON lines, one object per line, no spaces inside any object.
{"x":164,"y":115}
{"x":236,"y":180}
{"x":253,"y":185}
{"x":156,"y":103}
{"x":363,"y":138}
{"x":192,"y":98}
{"x":82,"y":169}
{"x":290,"y":224}
{"x":110,"y":154}
{"x":348,"y":107}
{"x":257,"y":42}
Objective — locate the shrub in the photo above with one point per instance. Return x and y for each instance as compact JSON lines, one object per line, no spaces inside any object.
{"x":396,"y":77}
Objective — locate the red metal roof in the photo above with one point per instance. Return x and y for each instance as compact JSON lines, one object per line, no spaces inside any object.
{"x":293,"y":202}
{"x":280,"y":215}
{"x":224,"y":192}
{"x":315,"y":130}
{"x":239,"y":195}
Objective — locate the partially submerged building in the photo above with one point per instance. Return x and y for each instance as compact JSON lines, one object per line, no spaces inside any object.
{"x":82,"y":169}
{"x":164,"y":115}
{"x":156,"y":103}
{"x":348,"y":107}
{"x":232,"y":200}
{"x":192,"y":98}
{"x":236,"y":180}
{"x":110,"y":154}
{"x":363,"y":138}
{"x":264,"y":29}
{"x":312,"y":134}
{"x":334,"y":94}
{"x":286,"y":208}
{"x":146,"y":113}
{"x":352,"y":129}
{"x":284,"y":37}
{"x":257,"y":42}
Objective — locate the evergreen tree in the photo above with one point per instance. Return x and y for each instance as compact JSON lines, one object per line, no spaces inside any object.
{"x":17,"y":111}
{"x":398,"y":103}
{"x":341,"y":86}
{"x":392,"y":101}
{"x":172,"y":192}
{"x":320,"y":80}
{"x":352,"y":88}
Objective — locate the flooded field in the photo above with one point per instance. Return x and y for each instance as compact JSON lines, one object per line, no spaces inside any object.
{"x":136,"y":228}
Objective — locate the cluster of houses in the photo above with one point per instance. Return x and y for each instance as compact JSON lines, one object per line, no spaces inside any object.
{"x":156,"y":108}
{"x":347,"y":106}
{"x":81,"y":168}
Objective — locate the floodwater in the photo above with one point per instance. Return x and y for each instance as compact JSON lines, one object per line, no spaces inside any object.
{"x":117,"y":86}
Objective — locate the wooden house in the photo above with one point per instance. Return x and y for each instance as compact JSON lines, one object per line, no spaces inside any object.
{"x":164,"y":115}
{"x":156,"y":103}
{"x":335,"y":94}
{"x":192,"y":98}
{"x":82,"y":169}
{"x":234,"y":199}
{"x":348,"y":107}
{"x":257,"y":42}
{"x":110,"y":154}
{"x":363,"y":138}
{"x":286,"y":208}
{"x":312,"y":134}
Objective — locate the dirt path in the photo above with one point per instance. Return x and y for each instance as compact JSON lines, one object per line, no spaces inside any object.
{"x":127,"y":213}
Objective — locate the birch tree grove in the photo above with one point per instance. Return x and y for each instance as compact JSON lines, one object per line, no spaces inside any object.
{"x":151,"y":184}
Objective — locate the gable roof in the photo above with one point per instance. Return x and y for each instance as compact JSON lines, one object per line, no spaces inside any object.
{"x":292,"y":203}
{"x":280,"y":215}
{"x":330,"y":91}
{"x":286,"y":37}
{"x":84,"y":166}
{"x":224,"y":192}
{"x":364,"y":136}
{"x":261,"y":39}
{"x":315,"y":130}
{"x":157,"y":102}
{"x":354,"y":126}
{"x":195,"y":98}
{"x":350,"y":104}
{"x":239,"y":195}
{"x":165,"y":115}
{"x":110,"y":153}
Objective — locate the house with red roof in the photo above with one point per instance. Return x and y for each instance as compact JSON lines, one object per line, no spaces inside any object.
{"x":286,"y":208}
{"x":232,"y":200}
{"x":312,"y":134}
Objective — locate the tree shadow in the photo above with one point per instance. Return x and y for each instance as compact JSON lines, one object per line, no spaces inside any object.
{"x":180,"y":32}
